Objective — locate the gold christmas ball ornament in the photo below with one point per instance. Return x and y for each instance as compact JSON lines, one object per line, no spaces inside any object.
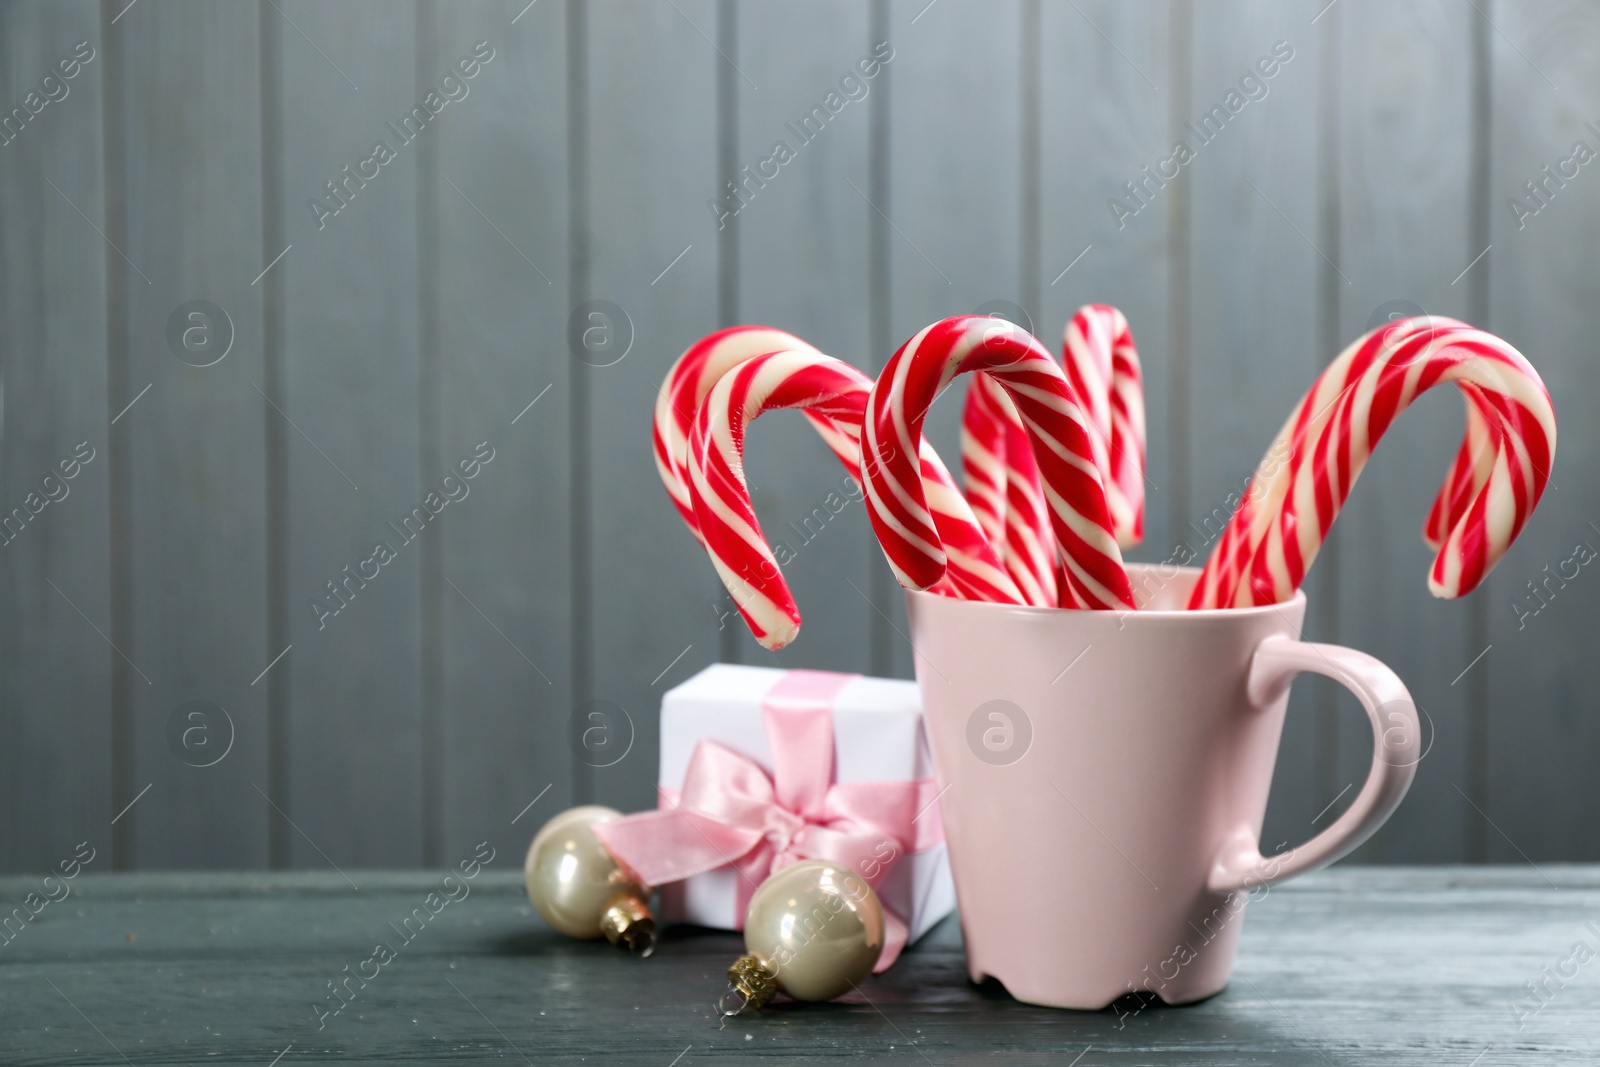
{"x":813,"y":931}
{"x":577,"y":887}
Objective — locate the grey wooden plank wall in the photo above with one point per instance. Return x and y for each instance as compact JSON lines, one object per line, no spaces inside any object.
{"x":205,"y":627}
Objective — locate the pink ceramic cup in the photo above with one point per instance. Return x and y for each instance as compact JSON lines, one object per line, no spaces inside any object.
{"x":1104,"y":775}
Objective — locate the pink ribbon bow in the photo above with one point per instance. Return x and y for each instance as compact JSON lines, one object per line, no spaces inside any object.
{"x":731,"y":814}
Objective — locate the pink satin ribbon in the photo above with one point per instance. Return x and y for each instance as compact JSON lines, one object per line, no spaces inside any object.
{"x":731,"y":814}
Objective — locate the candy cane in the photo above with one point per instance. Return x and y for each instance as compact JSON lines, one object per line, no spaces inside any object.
{"x":1492,"y":487}
{"x":834,"y":394}
{"x":1057,"y":429}
{"x":686,"y":386}
{"x":1102,"y":363}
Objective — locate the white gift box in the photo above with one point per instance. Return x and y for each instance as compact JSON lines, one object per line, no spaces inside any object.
{"x":878,"y":736}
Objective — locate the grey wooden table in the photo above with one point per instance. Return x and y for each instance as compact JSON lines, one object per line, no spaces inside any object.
{"x":1352,"y":966}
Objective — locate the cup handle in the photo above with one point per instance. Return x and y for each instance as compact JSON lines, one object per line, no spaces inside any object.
{"x":1396,"y":736}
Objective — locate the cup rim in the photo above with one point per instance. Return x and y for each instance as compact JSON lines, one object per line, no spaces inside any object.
{"x":1184,"y":573}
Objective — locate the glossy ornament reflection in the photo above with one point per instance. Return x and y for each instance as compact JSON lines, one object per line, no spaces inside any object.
{"x":813,"y":931}
{"x":577,"y":887}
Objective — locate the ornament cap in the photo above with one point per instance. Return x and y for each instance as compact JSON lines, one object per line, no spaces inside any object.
{"x":627,"y":923}
{"x":752,"y":982}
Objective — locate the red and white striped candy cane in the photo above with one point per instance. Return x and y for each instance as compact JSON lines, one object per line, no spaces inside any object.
{"x":834,"y":395}
{"x":686,"y":386}
{"x":1102,"y":363}
{"x":1491,"y":489}
{"x":1057,"y":429}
